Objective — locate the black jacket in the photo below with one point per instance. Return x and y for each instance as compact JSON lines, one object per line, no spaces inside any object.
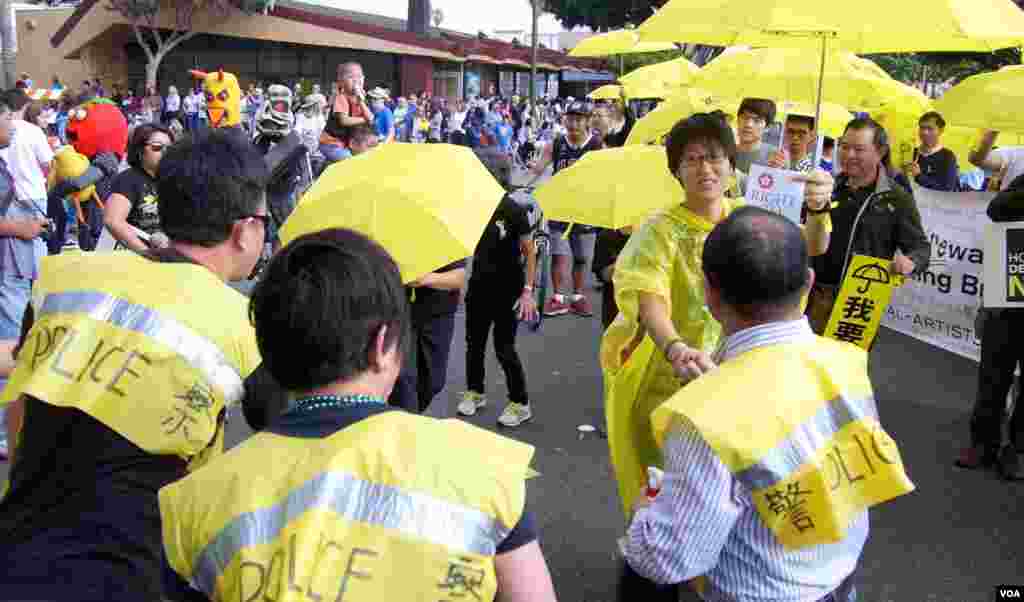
{"x":887,"y":222}
{"x":1008,"y":205}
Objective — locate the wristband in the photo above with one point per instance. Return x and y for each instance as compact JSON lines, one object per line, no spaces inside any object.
{"x":668,"y":346}
{"x":826,"y":209}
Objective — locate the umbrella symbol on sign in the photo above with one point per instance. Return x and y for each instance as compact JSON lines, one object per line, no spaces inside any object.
{"x":872,"y":272}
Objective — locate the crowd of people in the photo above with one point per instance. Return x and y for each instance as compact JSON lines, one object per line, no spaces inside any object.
{"x":346,"y":487}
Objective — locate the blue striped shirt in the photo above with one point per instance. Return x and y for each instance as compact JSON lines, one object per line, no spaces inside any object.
{"x":704,"y":522}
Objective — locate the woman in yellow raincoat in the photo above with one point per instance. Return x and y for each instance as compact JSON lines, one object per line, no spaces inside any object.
{"x":659,"y":287}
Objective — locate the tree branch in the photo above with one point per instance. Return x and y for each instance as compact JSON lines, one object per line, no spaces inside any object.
{"x":138,"y":37}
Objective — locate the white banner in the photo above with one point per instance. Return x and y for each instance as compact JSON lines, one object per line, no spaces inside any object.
{"x":939,"y":305}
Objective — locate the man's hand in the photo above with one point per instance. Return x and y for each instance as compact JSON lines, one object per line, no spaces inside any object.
{"x":423,"y":281}
{"x":688,"y":363}
{"x":777,"y":160}
{"x":818,"y":186}
{"x":912,"y":169}
{"x":30,"y":229}
{"x":526,"y":307}
{"x":901,"y":264}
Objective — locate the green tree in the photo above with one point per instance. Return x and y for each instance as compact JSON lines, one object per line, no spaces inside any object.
{"x":602,"y":15}
{"x":943,"y":66}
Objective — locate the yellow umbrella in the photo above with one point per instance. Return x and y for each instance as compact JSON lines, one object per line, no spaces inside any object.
{"x":653,"y":126}
{"x":988,"y":100}
{"x":864,"y":27}
{"x":611,"y":188}
{"x":903,"y":138}
{"x":606,"y":92}
{"x":617,"y":42}
{"x":795,"y":73}
{"x":660,"y":80}
{"x":427,"y":204}
{"x":834,"y":118}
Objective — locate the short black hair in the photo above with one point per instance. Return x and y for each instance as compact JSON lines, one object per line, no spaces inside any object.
{"x":762,"y":107}
{"x":321,"y":304}
{"x":829,"y":142}
{"x":207,"y":182}
{"x":705,"y":128}
{"x":140,"y":136}
{"x":933,"y":116}
{"x":804,"y":119}
{"x":879,"y":136}
{"x":758,"y":261}
{"x":16,"y":99}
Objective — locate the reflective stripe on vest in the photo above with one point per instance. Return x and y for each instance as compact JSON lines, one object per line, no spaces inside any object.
{"x":198,"y":351}
{"x":413,"y":515}
{"x":812,"y":466}
{"x":169,"y":340}
{"x":394,"y":507}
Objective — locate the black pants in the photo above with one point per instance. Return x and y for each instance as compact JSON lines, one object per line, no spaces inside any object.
{"x":490,"y":304}
{"x":633,"y":586}
{"x":1001,"y":353}
{"x":426,"y":368}
{"x":88,"y":234}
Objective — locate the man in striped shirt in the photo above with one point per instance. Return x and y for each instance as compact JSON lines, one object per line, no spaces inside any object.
{"x":743,"y":501}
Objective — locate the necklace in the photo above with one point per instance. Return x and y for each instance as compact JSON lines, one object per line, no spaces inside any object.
{"x":323,"y":402}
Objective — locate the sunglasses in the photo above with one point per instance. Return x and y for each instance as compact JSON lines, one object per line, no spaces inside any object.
{"x":156,"y":147}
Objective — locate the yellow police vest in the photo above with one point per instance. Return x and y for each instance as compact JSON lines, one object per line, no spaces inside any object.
{"x":798,"y":427}
{"x":394,"y":507}
{"x":152,"y":350}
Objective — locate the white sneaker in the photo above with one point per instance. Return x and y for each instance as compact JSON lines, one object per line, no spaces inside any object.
{"x":515,"y":414}
{"x":471,"y":402}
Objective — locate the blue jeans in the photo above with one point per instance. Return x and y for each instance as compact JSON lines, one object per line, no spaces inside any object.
{"x":15,"y":293}
{"x":333,"y":153}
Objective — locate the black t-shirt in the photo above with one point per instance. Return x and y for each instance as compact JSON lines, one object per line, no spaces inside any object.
{"x":829,"y":267}
{"x":431,"y":302}
{"x":140,"y":189}
{"x":498,"y":257}
{"x":81,"y":520}
{"x":618,"y":139}
{"x":563,"y":154}
{"x":939,"y":171}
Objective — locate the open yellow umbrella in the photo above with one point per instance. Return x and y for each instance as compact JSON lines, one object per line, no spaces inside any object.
{"x":903,"y":137}
{"x":617,"y":42}
{"x":611,"y":188}
{"x":660,"y":80}
{"x":988,"y":100}
{"x":864,"y":27}
{"x":795,"y":73}
{"x":656,"y":124}
{"x":606,"y":92}
{"x":834,"y":118}
{"x":427,"y":204}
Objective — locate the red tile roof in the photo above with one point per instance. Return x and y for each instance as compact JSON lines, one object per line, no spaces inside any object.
{"x":459,"y":45}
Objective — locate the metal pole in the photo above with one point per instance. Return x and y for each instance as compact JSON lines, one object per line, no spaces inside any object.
{"x":817,"y":109}
{"x":533,"y":59}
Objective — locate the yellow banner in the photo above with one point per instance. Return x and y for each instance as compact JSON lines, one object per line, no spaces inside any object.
{"x":862,"y":300}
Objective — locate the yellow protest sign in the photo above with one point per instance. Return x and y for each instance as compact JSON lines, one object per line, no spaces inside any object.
{"x":862,"y":300}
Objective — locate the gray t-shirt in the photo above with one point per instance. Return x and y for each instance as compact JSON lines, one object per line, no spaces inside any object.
{"x":759,"y":156}
{"x":19,"y":258}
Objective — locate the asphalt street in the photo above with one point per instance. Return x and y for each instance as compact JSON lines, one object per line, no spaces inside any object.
{"x":953,"y":540}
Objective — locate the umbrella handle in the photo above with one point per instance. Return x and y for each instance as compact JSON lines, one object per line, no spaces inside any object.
{"x":565,"y":235}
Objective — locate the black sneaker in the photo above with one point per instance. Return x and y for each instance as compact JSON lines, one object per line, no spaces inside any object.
{"x":1011,"y":464}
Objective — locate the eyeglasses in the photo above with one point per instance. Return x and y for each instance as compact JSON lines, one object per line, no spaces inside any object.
{"x":798,"y":133}
{"x":695,"y":162}
{"x":156,"y":147}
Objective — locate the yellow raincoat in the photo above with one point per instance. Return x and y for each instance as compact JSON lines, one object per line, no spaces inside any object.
{"x":662,"y":258}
